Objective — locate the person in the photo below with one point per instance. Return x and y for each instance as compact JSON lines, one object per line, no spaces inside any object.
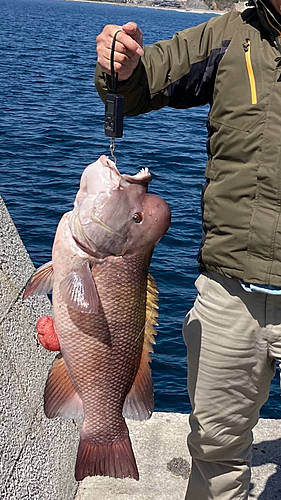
{"x":233,"y":334}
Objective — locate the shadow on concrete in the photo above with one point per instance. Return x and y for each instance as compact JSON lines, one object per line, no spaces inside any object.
{"x":265,"y":453}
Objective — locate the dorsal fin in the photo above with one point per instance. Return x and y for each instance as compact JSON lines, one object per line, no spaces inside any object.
{"x":139,"y":401}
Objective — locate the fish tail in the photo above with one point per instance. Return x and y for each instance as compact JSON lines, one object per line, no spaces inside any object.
{"x":114,"y":459}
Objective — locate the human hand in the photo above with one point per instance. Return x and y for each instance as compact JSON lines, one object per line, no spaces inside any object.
{"x":128,"y":49}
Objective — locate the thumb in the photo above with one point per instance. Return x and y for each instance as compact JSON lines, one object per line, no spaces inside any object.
{"x":133,"y":30}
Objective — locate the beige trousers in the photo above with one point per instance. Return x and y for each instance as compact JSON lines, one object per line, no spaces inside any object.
{"x":233,"y":338}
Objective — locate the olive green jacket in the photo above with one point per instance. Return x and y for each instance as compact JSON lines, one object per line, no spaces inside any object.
{"x":233,"y":63}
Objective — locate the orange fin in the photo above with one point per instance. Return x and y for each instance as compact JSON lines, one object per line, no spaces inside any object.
{"x":60,"y":397}
{"x":112,"y":459}
{"x":78,"y":290}
{"x":139,"y":402}
{"x":41,"y":281}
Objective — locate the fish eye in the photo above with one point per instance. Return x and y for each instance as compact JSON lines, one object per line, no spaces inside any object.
{"x":137,"y":217}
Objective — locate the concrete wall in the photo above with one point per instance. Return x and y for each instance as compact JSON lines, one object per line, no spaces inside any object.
{"x":37,"y":455}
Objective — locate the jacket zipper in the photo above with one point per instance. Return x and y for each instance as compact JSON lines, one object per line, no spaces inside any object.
{"x":247,"y":49}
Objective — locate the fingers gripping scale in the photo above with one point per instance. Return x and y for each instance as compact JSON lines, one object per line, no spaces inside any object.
{"x":114,"y":107}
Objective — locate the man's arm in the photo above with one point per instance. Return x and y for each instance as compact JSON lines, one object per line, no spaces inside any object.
{"x":177,"y":72}
{"x":128,"y":49}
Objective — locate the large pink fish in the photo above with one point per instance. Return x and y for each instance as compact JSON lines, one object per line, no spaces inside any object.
{"x":104,"y":309}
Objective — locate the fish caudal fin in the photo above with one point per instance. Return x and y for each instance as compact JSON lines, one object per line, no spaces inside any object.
{"x":60,"y":397}
{"x":139,"y":402}
{"x":114,"y":459}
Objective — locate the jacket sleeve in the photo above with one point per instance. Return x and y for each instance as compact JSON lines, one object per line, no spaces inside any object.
{"x":179,"y":72}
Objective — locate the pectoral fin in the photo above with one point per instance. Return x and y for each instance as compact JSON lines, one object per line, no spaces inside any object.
{"x":140,"y":401}
{"x":78,"y":290}
{"x":60,"y":397}
{"x":41,"y":281}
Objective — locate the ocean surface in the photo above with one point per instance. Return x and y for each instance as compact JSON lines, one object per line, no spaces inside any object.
{"x":52,"y":126}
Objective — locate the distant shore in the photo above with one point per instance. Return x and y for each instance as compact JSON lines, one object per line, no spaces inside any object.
{"x":143,"y":6}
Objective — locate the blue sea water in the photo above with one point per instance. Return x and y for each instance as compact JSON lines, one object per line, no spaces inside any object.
{"x":51,"y":127}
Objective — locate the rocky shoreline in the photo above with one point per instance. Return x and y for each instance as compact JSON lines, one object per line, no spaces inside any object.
{"x":192,"y":6}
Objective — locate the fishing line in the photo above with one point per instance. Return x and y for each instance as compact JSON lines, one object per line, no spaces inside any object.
{"x":114,"y":106}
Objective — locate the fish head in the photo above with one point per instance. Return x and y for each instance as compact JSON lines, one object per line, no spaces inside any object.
{"x":114,"y":214}
{"x":148,"y":218}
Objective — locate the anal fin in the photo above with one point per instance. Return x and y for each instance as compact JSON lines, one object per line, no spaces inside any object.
{"x":60,"y":397}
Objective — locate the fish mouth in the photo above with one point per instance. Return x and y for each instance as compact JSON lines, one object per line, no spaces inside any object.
{"x":143,"y":176}
{"x":124,"y":180}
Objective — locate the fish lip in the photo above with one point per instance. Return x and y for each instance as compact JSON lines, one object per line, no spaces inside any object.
{"x":121,"y":181}
{"x":143,"y":176}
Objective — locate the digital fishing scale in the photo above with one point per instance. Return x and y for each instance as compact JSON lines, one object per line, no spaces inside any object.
{"x":114,"y":106}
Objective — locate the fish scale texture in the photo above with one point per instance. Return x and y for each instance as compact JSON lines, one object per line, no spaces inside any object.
{"x":102,"y":351}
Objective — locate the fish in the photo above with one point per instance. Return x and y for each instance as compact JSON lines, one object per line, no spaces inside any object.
{"x":104,"y":314}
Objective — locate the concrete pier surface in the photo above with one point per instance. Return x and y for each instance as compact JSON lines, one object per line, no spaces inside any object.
{"x":164,"y":463}
{"x":37,"y":455}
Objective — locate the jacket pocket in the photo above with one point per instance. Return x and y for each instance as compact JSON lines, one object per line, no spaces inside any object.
{"x":253,"y":89}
